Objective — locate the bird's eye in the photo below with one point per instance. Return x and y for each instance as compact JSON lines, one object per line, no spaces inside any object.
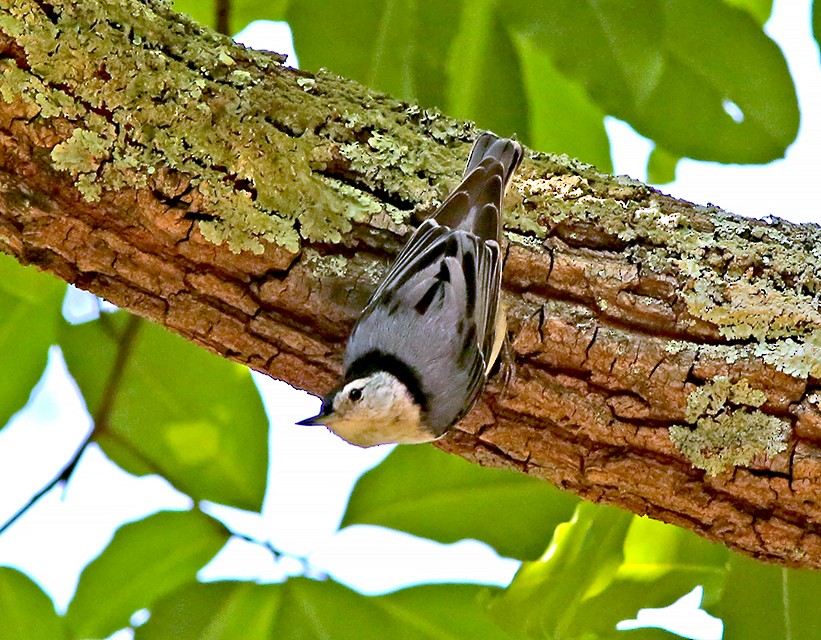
{"x":355,"y":395}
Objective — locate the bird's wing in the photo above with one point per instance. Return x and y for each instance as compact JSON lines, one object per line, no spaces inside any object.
{"x":436,"y":309}
{"x":410,"y":259}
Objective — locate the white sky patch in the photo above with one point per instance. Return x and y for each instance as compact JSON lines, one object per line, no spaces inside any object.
{"x":684,"y":618}
{"x":269,"y":35}
{"x":733,"y":110}
{"x":368,"y":559}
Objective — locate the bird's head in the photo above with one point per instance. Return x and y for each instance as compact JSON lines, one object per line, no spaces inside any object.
{"x":374,"y":409}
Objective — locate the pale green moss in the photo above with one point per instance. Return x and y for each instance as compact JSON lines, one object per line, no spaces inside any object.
{"x":248,"y":225}
{"x":741,"y":393}
{"x":348,"y":205}
{"x":307,"y":84}
{"x":743,"y":308}
{"x":394,"y":162}
{"x":677,"y":346}
{"x":516,"y":219}
{"x":729,"y":429}
{"x":45,"y":101}
{"x":751,"y":297}
{"x":176,"y":96}
{"x":159,"y":114}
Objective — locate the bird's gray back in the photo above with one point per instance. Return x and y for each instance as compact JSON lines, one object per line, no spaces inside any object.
{"x":433,"y":320}
{"x":433,"y":317}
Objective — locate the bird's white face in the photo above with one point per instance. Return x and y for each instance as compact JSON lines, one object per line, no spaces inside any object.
{"x":376,"y":409}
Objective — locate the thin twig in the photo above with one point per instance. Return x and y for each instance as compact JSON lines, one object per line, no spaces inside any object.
{"x":223,"y":17}
{"x":63,"y":476}
{"x":112,"y":386}
{"x":277,"y":554}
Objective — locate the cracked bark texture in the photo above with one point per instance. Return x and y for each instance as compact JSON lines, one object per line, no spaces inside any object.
{"x":251,"y":208}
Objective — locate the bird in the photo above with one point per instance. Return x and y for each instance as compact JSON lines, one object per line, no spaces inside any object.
{"x":425,"y":343}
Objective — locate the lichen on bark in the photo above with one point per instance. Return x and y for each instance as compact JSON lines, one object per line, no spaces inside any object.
{"x":191,"y":100}
{"x":727,"y":429}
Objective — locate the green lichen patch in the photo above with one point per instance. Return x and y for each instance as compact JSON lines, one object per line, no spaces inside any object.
{"x":395,"y":161}
{"x":244,"y":226}
{"x":754,"y":279}
{"x":733,"y":438}
{"x":710,"y":398}
{"x":799,"y":357}
{"x":729,"y":429}
{"x":744,"y":308}
{"x":81,"y":155}
{"x":323,"y":266}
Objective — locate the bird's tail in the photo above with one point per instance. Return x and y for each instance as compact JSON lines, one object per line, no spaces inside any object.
{"x":506,"y":151}
{"x":476,"y":204}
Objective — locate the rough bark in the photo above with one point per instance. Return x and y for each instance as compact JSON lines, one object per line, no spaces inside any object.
{"x":668,"y":356}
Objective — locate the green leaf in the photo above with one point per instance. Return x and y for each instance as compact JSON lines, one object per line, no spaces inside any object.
{"x":371,"y":41}
{"x":26,"y":613}
{"x":661,"y":564}
{"x":435,"y":36}
{"x":562,"y":117}
{"x":203,"y":12}
{"x":431,"y":494}
{"x":582,"y":560}
{"x":215,"y":611}
{"x":816,"y":22}
{"x":177,"y":410}
{"x":304,"y":609}
{"x":453,"y":55}
{"x":245,"y":11}
{"x":327,"y":610}
{"x":758,"y":9}
{"x":602,"y":567}
{"x":763,"y":601}
{"x":400,"y":48}
{"x":661,"y":166}
{"x":655,"y":65}
{"x":241,"y":12}
{"x":30,"y":303}
{"x":145,"y":561}
{"x":485,"y":80}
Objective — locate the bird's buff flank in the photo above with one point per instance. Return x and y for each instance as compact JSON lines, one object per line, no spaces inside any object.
{"x":425,"y":343}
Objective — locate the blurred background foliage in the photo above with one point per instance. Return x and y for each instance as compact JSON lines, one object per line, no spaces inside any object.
{"x":698,"y":77}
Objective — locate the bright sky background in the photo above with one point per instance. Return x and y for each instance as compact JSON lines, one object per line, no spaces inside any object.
{"x":304,"y":503}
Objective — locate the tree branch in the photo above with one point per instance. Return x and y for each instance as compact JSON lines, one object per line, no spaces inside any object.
{"x":251,"y":208}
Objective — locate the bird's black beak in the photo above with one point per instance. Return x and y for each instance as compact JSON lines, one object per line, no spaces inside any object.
{"x":326,"y":410}
{"x":314,"y":420}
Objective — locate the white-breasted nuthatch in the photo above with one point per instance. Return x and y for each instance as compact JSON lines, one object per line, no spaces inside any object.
{"x":425,"y":343}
